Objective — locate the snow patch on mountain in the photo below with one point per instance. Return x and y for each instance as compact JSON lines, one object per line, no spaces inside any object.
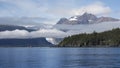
{"x":86,"y":18}
{"x":73,"y":18}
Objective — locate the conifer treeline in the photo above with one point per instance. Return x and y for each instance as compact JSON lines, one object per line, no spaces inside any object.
{"x":104,"y":39}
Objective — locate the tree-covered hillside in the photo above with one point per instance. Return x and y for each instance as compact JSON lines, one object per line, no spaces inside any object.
{"x":104,"y":39}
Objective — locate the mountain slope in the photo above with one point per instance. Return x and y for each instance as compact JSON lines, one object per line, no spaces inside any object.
{"x":104,"y":39}
{"x":14,"y":27}
{"x":86,"y":18}
{"x":28,"y":42}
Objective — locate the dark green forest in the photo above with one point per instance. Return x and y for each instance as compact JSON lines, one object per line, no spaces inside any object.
{"x":109,"y":38}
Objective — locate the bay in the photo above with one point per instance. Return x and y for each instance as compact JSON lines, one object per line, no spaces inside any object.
{"x":46,"y":57}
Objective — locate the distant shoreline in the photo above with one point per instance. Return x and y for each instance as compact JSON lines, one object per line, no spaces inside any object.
{"x":59,"y":47}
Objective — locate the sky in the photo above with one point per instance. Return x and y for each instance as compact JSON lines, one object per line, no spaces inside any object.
{"x":50,"y":11}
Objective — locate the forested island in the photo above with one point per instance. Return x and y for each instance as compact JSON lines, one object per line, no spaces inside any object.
{"x":109,"y":38}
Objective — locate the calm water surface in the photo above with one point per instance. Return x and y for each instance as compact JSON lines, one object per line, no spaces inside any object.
{"x":37,"y":57}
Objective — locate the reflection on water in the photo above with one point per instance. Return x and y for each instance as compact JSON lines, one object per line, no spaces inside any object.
{"x":59,"y":57}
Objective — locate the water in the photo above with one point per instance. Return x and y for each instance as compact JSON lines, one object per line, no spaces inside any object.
{"x":37,"y":57}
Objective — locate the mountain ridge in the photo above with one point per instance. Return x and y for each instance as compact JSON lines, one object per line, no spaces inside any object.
{"x":103,"y":39}
{"x":86,"y":18}
{"x":4,"y":27}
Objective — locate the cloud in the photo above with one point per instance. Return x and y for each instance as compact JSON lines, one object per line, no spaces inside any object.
{"x":27,"y":8}
{"x":97,"y":8}
{"x":56,"y":32}
{"x":48,"y":33}
{"x":14,"y":34}
{"x":53,"y":10}
{"x":24,"y":20}
{"x":36,"y":8}
{"x":77,"y":29}
{"x":21,"y":8}
{"x":40,"y":33}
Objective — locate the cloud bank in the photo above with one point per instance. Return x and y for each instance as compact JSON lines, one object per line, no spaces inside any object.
{"x":99,"y":27}
{"x":35,"y":34}
{"x":97,"y":8}
{"x":56,"y":31}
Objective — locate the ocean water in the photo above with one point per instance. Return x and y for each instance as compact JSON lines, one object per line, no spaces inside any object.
{"x":45,"y":57}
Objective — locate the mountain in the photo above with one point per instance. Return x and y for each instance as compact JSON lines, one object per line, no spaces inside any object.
{"x":29,"y":42}
{"x":29,"y":22}
{"x":104,"y":39}
{"x":14,"y":27}
{"x":86,"y":18}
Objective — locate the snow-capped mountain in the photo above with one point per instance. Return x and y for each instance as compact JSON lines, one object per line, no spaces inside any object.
{"x":86,"y":18}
